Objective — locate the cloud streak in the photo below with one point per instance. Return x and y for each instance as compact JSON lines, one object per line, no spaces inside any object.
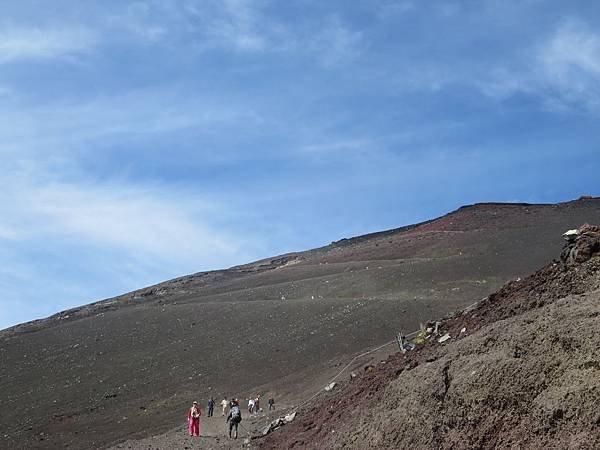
{"x":21,"y":44}
{"x":148,"y":223}
{"x":562,"y":70}
{"x":571,"y":64}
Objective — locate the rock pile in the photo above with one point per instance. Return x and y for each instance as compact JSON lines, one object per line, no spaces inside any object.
{"x":582,"y":244}
{"x":279,"y":422}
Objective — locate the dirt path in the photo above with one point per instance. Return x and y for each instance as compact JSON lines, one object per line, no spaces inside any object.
{"x":214,"y":431}
{"x":213,"y":434}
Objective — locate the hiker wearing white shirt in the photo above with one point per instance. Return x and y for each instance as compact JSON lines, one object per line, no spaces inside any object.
{"x":251,"y":405}
{"x":224,"y":404}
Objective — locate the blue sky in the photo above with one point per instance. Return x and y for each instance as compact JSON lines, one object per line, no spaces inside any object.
{"x":141,"y":141}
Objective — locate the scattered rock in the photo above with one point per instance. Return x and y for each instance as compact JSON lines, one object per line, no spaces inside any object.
{"x":444,"y":338}
{"x":571,"y":235}
{"x":274,"y":425}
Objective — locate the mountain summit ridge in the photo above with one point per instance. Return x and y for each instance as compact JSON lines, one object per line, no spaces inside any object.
{"x":272,"y":262}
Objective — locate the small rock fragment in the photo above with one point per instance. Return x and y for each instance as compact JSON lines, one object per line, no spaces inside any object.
{"x":571,"y":235}
{"x":444,"y":338}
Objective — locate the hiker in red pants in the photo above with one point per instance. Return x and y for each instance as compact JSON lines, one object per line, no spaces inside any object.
{"x":194,"y":419}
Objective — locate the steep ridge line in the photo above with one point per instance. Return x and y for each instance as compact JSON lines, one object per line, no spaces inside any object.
{"x":125,"y":300}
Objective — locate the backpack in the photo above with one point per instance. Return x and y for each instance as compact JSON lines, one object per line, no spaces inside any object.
{"x":236,"y":414}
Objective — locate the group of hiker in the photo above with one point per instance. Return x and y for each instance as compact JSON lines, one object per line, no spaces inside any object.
{"x":231,"y":410}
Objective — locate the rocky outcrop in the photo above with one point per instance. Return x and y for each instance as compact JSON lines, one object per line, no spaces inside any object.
{"x":582,"y":244}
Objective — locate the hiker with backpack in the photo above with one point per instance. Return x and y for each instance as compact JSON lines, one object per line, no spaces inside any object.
{"x":211,"y":407}
{"x":234,"y":418}
{"x":194,"y":414}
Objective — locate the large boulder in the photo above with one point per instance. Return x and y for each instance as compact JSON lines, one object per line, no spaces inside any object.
{"x":581,"y":245}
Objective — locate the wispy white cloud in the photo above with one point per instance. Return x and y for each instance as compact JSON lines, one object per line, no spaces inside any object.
{"x":141,"y":20}
{"x":134,"y":232}
{"x":148,"y":225}
{"x":500,"y":83}
{"x":571,"y":63}
{"x":242,"y":26}
{"x":230,"y":24}
{"x":18,"y":43}
{"x":335,"y":43}
{"x":562,"y":70}
{"x":8,"y":232}
{"x":55,"y":128}
{"x":143,"y":223}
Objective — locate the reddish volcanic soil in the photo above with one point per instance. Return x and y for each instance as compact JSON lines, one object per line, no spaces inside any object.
{"x":525,"y":373}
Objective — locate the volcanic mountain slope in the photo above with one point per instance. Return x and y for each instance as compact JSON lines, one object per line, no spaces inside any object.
{"x":522,"y":370}
{"x":126,"y":367}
